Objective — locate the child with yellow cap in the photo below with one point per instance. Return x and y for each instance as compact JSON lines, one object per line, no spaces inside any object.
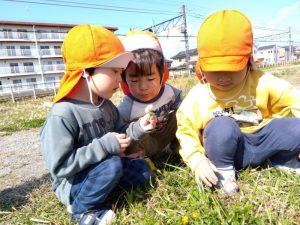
{"x":236,"y":116}
{"x":144,"y":84}
{"x":83,"y":138}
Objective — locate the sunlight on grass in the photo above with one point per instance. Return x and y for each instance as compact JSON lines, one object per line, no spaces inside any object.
{"x":267,"y":196}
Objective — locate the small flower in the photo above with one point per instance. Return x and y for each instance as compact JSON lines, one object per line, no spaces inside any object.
{"x":184,"y":220}
{"x":148,"y":108}
{"x":195,"y":215}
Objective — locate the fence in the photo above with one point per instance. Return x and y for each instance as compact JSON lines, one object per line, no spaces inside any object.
{"x":19,"y":91}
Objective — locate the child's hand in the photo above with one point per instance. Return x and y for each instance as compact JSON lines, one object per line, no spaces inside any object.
{"x":148,"y":122}
{"x":205,"y":172}
{"x":123,"y":141}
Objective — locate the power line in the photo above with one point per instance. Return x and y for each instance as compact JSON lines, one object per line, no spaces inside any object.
{"x":96,"y":7}
{"x":109,"y":6}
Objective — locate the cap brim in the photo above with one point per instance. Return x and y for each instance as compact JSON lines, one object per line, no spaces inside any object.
{"x":224,"y":63}
{"x":119,"y":61}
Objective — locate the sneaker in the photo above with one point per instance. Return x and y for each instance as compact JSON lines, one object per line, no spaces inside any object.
{"x":102,"y":217}
{"x":227,"y":180}
{"x":292,"y":165}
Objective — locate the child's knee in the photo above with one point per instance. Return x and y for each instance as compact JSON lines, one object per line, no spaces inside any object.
{"x":221,"y":128}
{"x":115,"y":166}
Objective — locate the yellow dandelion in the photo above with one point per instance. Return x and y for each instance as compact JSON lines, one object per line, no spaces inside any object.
{"x":184,"y":220}
{"x":195,"y":215}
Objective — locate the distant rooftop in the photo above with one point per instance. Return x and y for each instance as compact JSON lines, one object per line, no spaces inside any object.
{"x":181,"y":54}
{"x":3,"y":22}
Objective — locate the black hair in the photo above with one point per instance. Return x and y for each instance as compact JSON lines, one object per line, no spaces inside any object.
{"x":90,"y":71}
{"x":143,"y":61}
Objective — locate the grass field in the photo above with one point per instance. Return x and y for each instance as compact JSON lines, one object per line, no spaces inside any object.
{"x":267,"y":195}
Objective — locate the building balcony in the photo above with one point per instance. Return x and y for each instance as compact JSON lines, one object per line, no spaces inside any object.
{"x":28,"y":53}
{"x":30,"y":70}
{"x":16,"y":36}
{"x":30,"y":36}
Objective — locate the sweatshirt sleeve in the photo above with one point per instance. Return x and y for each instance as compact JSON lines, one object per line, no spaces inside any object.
{"x":125,"y":107}
{"x":63,"y":156}
{"x":284,"y":98}
{"x":190,"y":123}
{"x":123,"y":125}
{"x":178,"y":98}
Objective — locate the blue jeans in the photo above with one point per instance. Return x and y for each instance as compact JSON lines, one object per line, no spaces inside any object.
{"x":92,"y":186}
{"x":226,"y":145}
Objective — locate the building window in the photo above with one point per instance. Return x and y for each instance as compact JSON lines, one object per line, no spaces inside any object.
{"x":30,"y":82}
{"x":42,"y":34}
{"x":18,"y":81}
{"x":60,"y":65}
{"x":54,"y":34}
{"x":7,"y":33}
{"x":22,"y":33}
{"x":25,"y":50}
{"x":57,"y":50}
{"x":14,"y":67}
{"x":45,"y":50}
{"x":11,"y":51}
{"x":17,"y":84}
{"x":50,"y":81}
{"x":47,"y":66}
{"x":28,"y":67}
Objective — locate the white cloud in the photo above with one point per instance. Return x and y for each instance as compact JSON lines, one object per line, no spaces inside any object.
{"x":173,"y":45}
{"x":285,"y":13}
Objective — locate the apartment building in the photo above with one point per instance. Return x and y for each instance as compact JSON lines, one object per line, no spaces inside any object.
{"x":30,"y":54}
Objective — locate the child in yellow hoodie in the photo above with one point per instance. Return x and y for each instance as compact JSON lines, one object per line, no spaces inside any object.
{"x":236,"y":116}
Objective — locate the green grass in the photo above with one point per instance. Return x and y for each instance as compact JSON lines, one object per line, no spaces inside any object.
{"x":267,"y":196}
{"x":23,"y":114}
{"x":31,"y":113}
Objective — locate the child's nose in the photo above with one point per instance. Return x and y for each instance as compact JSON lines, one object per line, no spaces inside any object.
{"x":119,"y":78}
{"x":143,"y":85}
{"x":224,"y":77}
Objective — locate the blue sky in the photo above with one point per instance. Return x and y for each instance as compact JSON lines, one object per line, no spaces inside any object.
{"x":268,"y":17}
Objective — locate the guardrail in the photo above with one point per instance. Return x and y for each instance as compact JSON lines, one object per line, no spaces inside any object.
{"x":29,"y":90}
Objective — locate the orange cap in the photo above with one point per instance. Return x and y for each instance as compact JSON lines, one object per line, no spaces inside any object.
{"x":88,"y":46}
{"x":137,"y":39}
{"x":225,"y":41}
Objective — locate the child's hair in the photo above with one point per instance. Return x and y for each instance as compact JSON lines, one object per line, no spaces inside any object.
{"x":143,"y":61}
{"x":90,"y":71}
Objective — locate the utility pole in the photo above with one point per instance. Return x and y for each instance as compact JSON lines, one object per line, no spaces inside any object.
{"x":186,"y":40}
{"x":290,"y":46}
{"x":175,"y":22}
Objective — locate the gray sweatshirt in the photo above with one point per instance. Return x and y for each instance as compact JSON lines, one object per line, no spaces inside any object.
{"x":76,"y":135}
{"x":164,"y":106}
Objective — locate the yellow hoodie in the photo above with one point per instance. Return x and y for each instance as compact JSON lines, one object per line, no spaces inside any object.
{"x":262,"y":96}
